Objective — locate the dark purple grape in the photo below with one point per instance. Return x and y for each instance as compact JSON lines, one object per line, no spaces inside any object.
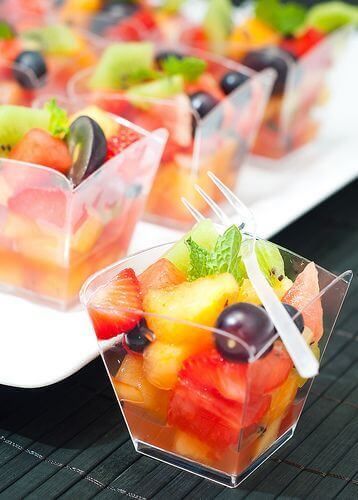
{"x":292,"y":311}
{"x":270,"y":57}
{"x":139,"y":337}
{"x":29,"y":60}
{"x":165,"y":54}
{"x":202,"y":102}
{"x":231,"y":80}
{"x":88,"y":146}
{"x":247,"y":322}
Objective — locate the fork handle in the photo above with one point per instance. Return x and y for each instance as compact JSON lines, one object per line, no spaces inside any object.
{"x":301,"y":355}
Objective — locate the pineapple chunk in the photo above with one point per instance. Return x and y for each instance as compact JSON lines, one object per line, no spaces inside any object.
{"x":199,"y":301}
{"x":131,"y":385}
{"x":247,"y":292}
{"x":87,"y":235}
{"x":162,"y":363}
{"x":190,"y":446}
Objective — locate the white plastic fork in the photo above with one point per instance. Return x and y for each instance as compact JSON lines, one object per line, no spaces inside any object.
{"x":301,"y":355}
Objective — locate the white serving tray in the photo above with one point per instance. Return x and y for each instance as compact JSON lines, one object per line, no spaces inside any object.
{"x":40,"y":346}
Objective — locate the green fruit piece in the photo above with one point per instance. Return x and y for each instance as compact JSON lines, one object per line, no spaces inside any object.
{"x":329,"y":16}
{"x":119,"y":62}
{"x":6,"y":31}
{"x":218,"y":21}
{"x":203,"y":233}
{"x":158,"y":89}
{"x":57,"y":39}
{"x":16,"y":121}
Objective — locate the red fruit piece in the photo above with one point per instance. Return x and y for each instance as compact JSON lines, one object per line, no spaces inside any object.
{"x":41,"y":148}
{"x":212,"y":418}
{"x":198,"y":404}
{"x":146,"y":18}
{"x":159,"y":275}
{"x":118,"y":143}
{"x":302,"y":44}
{"x":303,"y":291}
{"x":116,"y":307}
{"x":41,"y":205}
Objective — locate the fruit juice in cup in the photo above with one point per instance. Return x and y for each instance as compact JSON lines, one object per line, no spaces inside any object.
{"x":72,"y":188}
{"x":52,"y":53}
{"x":202,"y":378}
{"x":302,"y":49}
{"x":211,"y":107}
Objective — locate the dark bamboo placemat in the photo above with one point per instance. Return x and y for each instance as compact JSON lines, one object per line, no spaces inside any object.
{"x":69,"y":440}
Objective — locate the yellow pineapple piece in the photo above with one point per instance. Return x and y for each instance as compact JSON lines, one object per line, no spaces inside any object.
{"x":190,"y":446}
{"x":162,"y":362}
{"x":87,"y":234}
{"x":247,"y":292}
{"x":282,"y":397}
{"x":132,"y":386}
{"x":16,"y":226}
{"x":109,"y":126}
{"x":199,"y":301}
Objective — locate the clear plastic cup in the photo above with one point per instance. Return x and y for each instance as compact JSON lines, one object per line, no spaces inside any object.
{"x":293,"y":115}
{"x":218,"y":142}
{"x":222,"y":434}
{"x":54,"y":235}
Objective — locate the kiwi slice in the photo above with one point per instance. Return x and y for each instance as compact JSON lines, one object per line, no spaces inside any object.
{"x":119,"y":62}
{"x":16,"y":121}
{"x":218,"y":21}
{"x":330,"y":16}
{"x":158,"y":89}
{"x":56,"y":39}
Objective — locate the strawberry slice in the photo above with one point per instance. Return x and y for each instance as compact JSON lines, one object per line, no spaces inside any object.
{"x":118,"y":143}
{"x":41,"y":205}
{"x":116,"y":307}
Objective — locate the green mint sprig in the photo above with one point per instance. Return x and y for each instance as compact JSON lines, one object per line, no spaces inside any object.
{"x":190,"y":68}
{"x":286,"y":18}
{"x":227,"y":257}
{"x":59,"y":122}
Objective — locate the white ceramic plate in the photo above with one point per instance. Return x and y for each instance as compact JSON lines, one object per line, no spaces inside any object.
{"x":40,"y":346}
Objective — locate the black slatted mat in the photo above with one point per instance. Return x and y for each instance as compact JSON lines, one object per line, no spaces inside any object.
{"x":69,"y":440}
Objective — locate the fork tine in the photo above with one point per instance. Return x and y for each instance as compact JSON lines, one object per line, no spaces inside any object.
{"x":231,"y":197}
{"x":223,"y":218}
{"x":194,"y":212}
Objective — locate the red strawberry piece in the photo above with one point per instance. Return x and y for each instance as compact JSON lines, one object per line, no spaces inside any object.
{"x":118,"y":143}
{"x":41,"y":148}
{"x":199,"y":404}
{"x":41,"y":205}
{"x":146,"y":18}
{"x":302,"y":44}
{"x":116,"y":307}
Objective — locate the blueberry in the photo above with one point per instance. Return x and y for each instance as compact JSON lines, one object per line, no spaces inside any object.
{"x":139,"y":338}
{"x":165,"y":54}
{"x":231,"y":80}
{"x":270,"y":57}
{"x":29,"y":61}
{"x":88,"y":146}
{"x":248,"y":323}
{"x":292,"y":311}
{"x":202,"y":102}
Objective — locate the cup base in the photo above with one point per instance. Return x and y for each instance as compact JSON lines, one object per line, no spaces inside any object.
{"x":225,"y":479}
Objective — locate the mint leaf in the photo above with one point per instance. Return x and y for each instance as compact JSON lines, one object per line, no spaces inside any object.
{"x":226,"y":255}
{"x":199,"y":260}
{"x":270,"y":261}
{"x":284,"y":17}
{"x":59,"y":123}
{"x":190,"y":68}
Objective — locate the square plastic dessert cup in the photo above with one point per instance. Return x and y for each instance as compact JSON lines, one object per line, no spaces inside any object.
{"x":218,"y":142}
{"x":190,"y":428}
{"x":294,"y":113}
{"x":54,"y":235}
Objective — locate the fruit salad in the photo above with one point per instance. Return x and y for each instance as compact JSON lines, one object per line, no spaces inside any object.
{"x":42,"y":59}
{"x":72,"y":187}
{"x":203,"y":380}
{"x":211,"y":107}
{"x":298,"y":42}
